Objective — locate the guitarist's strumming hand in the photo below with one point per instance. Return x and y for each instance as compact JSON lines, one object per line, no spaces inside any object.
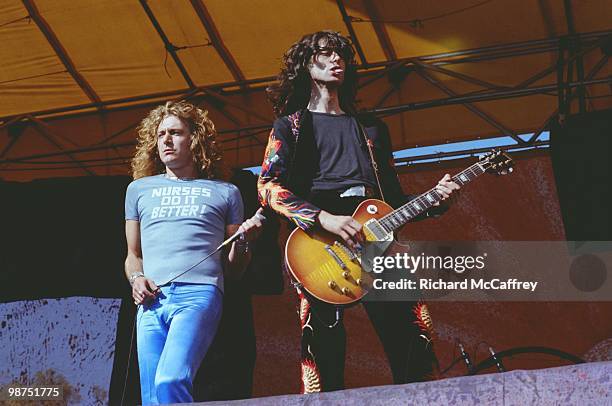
{"x":344,"y":226}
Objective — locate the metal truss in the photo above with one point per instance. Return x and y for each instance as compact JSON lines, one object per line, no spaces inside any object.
{"x":369,"y":73}
{"x":570,"y":50}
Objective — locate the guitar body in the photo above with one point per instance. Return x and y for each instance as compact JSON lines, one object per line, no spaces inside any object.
{"x":332,"y":273}
{"x":321,"y":263}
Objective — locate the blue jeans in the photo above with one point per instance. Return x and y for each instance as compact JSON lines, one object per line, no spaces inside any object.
{"x":174,"y":332}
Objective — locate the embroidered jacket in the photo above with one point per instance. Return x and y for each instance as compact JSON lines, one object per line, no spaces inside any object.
{"x":290,"y":162}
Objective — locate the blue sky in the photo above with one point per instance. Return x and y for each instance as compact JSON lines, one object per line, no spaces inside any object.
{"x":466,"y":146}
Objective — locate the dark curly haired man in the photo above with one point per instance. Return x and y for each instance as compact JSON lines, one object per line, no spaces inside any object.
{"x":317,"y":168}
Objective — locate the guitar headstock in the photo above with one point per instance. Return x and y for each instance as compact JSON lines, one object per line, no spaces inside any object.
{"x":497,"y":162}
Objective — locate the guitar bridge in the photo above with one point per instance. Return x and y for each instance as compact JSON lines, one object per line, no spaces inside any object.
{"x":349,"y":253}
{"x":339,"y":261}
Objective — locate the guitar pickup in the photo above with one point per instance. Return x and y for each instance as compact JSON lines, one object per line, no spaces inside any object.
{"x":335,"y":256}
{"x":376,"y":232}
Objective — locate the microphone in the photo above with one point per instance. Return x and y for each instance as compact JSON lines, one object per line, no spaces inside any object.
{"x":498,"y":363}
{"x":466,"y":358}
{"x":258,"y":214}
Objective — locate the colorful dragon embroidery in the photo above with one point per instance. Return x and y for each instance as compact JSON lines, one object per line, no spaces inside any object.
{"x":272,"y":192}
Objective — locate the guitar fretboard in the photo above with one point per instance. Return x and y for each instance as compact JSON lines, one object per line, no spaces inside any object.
{"x":422,"y":203}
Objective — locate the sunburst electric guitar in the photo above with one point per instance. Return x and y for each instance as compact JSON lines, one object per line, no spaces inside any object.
{"x":327,"y":269}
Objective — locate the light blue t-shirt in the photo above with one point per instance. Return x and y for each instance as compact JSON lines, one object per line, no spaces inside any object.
{"x":182,"y":221}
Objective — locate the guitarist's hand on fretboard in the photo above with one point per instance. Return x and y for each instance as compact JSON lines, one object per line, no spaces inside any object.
{"x":446,"y":188}
{"x":346,"y":227}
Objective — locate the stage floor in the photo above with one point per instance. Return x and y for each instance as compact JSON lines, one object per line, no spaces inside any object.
{"x":585,"y":384}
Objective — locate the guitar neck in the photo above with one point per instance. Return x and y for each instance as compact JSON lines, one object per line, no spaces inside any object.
{"x":423,"y":202}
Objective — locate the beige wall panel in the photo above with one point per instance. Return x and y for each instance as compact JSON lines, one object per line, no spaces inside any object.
{"x":32,"y":77}
{"x":91,"y":129}
{"x":456,"y":86}
{"x":592,"y":15}
{"x":256,"y":103}
{"x":440,"y":125}
{"x":365,"y":32}
{"x":183,"y":28}
{"x":509,"y":71}
{"x":436,"y":126}
{"x":258,"y":32}
{"x":113,"y":45}
{"x":40,"y":93}
{"x":25,"y":51}
{"x":31,"y":142}
{"x":11,"y":10}
{"x":553,"y":17}
{"x":521,"y":114}
{"x":496,"y":22}
{"x":413,"y":89}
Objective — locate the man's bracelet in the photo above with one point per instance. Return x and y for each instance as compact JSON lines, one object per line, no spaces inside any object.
{"x":133,"y":277}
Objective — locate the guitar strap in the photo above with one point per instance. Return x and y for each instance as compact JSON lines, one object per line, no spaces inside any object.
{"x":372,"y":159}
